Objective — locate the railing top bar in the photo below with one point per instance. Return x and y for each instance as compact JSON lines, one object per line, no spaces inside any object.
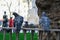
{"x":40,"y":29}
{"x":8,"y":27}
{"x":31,"y":28}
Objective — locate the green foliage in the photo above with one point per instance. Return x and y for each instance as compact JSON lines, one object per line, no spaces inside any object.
{"x":21,"y":37}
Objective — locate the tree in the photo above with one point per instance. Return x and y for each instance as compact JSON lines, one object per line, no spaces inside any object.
{"x":52,"y":7}
{"x":9,"y":4}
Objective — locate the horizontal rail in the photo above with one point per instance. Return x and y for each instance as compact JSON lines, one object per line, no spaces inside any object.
{"x":31,"y":28}
{"x":8,"y":27}
{"x":41,"y":29}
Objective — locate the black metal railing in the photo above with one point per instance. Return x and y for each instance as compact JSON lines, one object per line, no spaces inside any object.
{"x":40,"y":32}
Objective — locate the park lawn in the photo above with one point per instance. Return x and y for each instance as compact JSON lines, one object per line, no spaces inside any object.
{"x":21,"y":37}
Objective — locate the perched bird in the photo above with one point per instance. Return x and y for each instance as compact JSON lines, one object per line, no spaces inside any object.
{"x":18,"y":20}
{"x":44,"y":21}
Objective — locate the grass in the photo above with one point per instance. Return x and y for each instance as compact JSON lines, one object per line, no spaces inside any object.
{"x":21,"y":36}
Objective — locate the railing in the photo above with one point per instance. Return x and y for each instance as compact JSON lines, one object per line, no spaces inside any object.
{"x":40,"y":31}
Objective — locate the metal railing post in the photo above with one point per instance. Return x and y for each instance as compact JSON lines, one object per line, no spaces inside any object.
{"x":40,"y":34}
{"x":10,"y":34}
{"x":17,"y":35}
{"x":4,"y":34}
{"x":58,"y":35}
{"x":24,"y":34}
{"x":32,"y":34}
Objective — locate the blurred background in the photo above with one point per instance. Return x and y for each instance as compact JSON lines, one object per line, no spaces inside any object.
{"x":25,"y":8}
